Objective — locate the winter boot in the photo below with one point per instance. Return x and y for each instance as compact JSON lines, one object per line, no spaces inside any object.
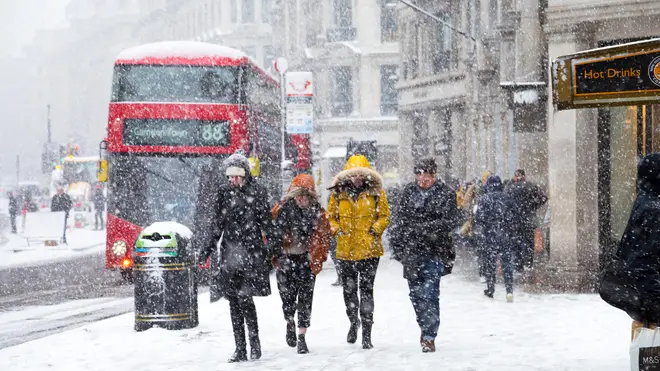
{"x":337,"y":283}
{"x":240,"y":355}
{"x":351,"y":338}
{"x":366,"y":336}
{"x":428,"y":346}
{"x":291,"y":333}
{"x":302,"y":345}
{"x":489,"y":293}
{"x":509,"y":297}
{"x":255,"y":347}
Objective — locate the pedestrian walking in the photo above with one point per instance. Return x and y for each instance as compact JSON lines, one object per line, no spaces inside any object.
{"x":98,"y":198}
{"x":493,"y":225}
{"x":13,"y":211}
{"x":61,"y":202}
{"x":301,"y":241}
{"x":422,"y":242}
{"x":359,"y":214}
{"x":231,"y":229}
{"x":528,"y":198}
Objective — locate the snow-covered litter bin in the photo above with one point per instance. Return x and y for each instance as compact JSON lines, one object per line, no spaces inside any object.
{"x":165,"y":278}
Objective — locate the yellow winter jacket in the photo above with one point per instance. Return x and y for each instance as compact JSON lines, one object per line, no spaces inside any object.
{"x":351,"y":221}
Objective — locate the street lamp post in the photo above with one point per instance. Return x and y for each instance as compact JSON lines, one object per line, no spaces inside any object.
{"x":281,"y":66}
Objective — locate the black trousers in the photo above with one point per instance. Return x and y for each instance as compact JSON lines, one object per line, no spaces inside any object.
{"x":243,"y":312}
{"x":359,"y":276}
{"x":524,"y":246}
{"x":295,"y":282}
{"x":98,"y":219}
{"x":12,"y":219}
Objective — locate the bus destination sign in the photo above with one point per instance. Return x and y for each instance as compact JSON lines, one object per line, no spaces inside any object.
{"x":176,"y":133}
{"x":628,"y":73}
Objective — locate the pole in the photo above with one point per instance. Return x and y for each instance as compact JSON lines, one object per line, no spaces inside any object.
{"x":420,"y":10}
{"x":48,"y":123}
{"x":18,"y":170}
{"x":283,"y":118}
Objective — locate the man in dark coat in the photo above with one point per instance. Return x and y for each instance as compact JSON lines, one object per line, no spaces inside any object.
{"x":62,"y":202}
{"x":99,"y":206}
{"x":238,"y":215}
{"x":639,"y":249}
{"x":492,"y":222}
{"x":527,"y":198}
{"x":13,"y":211}
{"x":421,"y":241}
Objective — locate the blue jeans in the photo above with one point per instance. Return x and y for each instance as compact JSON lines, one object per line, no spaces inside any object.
{"x":425,"y":298}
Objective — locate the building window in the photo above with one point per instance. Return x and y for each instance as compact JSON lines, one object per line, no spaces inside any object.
{"x":443,"y":43}
{"x":266,"y":11}
{"x":343,"y":13}
{"x":389,"y":98}
{"x":388,"y":21}
{"x":414,"y":52}
{"x":342,"y":91}
{"x":247,"y":11}
{"x":233,"y":10}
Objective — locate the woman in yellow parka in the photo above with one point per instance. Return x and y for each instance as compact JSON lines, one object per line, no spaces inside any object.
{"x":358,"y":214}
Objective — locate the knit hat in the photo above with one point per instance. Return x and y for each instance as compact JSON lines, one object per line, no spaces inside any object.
{"x":237,"y":165}
{"x":426,"y":165}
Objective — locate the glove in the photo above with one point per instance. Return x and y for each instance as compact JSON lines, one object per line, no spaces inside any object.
{"x":373,"y":232}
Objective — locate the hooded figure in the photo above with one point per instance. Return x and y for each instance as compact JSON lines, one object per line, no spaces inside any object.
{"x":358,"y":213}
{"x":631,"y":282}
{"x":301,"y":240}
{"x":493,"y":225}
{"x":232,"y":221}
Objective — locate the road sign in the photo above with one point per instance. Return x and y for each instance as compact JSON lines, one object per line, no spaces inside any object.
{"x":281,"y":65}
{"x":299,"y":98}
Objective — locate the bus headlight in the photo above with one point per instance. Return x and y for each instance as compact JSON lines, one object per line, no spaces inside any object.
{"x":119,"y":248}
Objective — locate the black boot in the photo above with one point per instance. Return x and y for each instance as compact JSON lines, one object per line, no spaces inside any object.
{"x":240,"y":355}
{"x":489,"y":293}
{"x":291,"y":334}
{"x":255,"y":347}
{"x":351,"y":338}
{"x":302,"y":345}
{"x":366,"y":336}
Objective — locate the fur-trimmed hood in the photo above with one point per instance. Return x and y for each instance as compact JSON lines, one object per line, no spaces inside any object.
{"x":372,"y":179}
{"x":299,"y":191}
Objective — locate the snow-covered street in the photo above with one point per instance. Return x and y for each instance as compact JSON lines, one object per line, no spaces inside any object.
{"x":536,"y":332}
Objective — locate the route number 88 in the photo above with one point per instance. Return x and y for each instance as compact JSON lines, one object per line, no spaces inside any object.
{"x":212,"y":132}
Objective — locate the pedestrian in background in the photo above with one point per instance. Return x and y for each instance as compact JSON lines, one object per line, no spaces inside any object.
{"x":493,"y":225}
{"x":13,"y":211}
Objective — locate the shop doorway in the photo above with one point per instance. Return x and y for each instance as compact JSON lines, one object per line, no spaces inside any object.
{"x":626,"y":135}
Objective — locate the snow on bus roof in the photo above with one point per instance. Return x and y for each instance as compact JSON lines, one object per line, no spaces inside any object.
{"x":185,"y":49}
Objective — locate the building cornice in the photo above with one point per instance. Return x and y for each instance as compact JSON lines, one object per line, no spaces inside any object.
{"x":563,"y":18}
{"x":439,"y":79}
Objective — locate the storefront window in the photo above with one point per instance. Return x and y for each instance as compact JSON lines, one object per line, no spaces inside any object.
{"x":623,"y":184}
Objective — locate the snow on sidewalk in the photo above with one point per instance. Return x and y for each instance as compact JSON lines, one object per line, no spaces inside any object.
{"x":537,"y":332}
{"x":17,"y":253}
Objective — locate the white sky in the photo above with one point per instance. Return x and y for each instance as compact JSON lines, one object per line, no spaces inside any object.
{"x":19,"y":19}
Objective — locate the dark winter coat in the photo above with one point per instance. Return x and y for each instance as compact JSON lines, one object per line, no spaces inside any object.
{"x":423,"y":228}
{"x":99,"y":199}
{"x":635,"y":269}
{"x":493,"y":217}
{"x":241,"y":219}
{"x":13,"y":205}
{"x":527,"y":198}
{"x":61,"y":202}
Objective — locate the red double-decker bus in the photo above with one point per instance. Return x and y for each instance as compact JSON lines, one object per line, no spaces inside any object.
{"x":176,"y":108}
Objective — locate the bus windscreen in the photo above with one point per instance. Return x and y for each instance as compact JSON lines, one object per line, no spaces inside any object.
{"x":177,"y":84}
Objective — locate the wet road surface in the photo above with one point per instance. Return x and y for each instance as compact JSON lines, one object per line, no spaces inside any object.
{"x":42,"y":300}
